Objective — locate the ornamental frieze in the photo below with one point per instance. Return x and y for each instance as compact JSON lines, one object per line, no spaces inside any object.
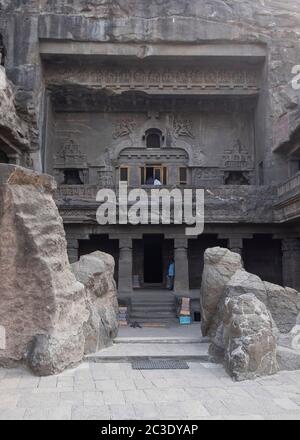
{"x":156,"y":79}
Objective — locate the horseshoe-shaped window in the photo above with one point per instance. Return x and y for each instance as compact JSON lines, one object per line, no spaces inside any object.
{"x":154,"y":138}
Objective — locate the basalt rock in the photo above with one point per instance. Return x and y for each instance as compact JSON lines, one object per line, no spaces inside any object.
{"x":249,"y":338}
{"x":235,"y":305}
{"x":96,"y":272}
{"x":42,"y":305}
{"x":288,"y":350}
{"x":12,"y":127}
{"x":219,"y":266}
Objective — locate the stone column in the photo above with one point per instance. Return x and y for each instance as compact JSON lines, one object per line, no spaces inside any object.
{"x":235,"y":244}
{"x":125,"y":266}
{"x":181,"y":285}
{"x":73,"y":250}
{"x":290,"y":262}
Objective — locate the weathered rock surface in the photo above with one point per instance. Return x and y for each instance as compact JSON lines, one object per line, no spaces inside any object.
{"x":284,"y":305}
{"x":219,"y":266}
{"x":235,"y":304}
{"x":249,"y":338}
{"x":96,"y":272}
{"x":288,"y":350}
{"x":12,"y":127}
{"x":223,"y":275}
{"x":42,"y":305}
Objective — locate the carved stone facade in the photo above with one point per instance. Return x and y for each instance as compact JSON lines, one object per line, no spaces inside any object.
{"x":191,"y":80}
{"x":196,"y":95}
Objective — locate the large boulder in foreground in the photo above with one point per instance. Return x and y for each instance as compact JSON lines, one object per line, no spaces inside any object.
{"x":42,"y":305}
{"x":96,"y":272}
{"x":223,"y":275}
{"x":249,"y":338}
{"x":219,"y":266}
{"x":272,"y":311}
{"x":282,"y":302}
{"x":288,"y":350}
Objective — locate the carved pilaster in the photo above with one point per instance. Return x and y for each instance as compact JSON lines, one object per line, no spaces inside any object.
{"x":181,"y":285}
{"x":73,"y":250}
{"x":290,"y":262}
{"x":125,"y":266}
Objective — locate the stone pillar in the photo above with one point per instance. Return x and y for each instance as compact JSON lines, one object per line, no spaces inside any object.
{"x":290,"y":262}
{"x":73,"y":250}
{"x":235,"y":244}
{"x":125,"y":266}
{"x":181,"y":285}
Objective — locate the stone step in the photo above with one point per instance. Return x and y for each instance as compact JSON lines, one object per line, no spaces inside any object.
{"x":148,"y":321}
{"x":161,"y":340}
{"x":153,"y":306}
{"x":127,"y":352}
{"x":147,"y":314}
{"x":152,"y":303}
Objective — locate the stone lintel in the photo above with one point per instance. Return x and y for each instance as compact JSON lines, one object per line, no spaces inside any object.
{"x":50,"y":48}
{"x":232,"y":236}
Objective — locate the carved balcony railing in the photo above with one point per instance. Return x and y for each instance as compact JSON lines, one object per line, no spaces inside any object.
{"x":287,"y":207}
{"x":223,"y":204}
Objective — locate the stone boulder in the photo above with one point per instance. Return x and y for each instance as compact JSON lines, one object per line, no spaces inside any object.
{"x":219,"y":266}
{"x":274,"y":314}
{"x":284,"y":305}
{"x":224,"y":276}
{"x":288,"y":350}
{"x":282,"y":302}
{"x":42,"y":305}
{"x":249,"y":338}
{"x":96,"y":272}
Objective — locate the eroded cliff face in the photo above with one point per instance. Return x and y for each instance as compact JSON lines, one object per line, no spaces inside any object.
{"x":275,"y":23}
{"x":12,"y":127}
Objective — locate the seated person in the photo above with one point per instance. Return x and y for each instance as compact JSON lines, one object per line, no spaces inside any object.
{"x":150,"y":181}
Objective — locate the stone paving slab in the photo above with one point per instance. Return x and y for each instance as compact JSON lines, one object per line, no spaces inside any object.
{"x":108,"y":391}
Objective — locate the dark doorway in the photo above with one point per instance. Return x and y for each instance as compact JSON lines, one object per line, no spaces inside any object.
{"x":196,"y":251}
{"x":153,"y":259}
{"x":262,"y":256}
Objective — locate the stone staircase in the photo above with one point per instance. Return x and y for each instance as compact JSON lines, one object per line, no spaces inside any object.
{"x":157,"y":308}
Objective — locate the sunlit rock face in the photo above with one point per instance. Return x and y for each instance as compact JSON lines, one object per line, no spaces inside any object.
{"x":246,"y":318}
{"x":12,"y":127}
{"x":96,"y":272}
{"x":42,"y":305}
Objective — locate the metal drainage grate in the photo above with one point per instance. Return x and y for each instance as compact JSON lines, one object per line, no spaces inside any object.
{"x":153,"y":364}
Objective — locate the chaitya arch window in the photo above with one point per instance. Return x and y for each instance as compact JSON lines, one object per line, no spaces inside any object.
{"x":153,"y":138}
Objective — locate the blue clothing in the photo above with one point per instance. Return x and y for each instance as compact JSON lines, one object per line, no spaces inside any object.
{"x":171,"y":270}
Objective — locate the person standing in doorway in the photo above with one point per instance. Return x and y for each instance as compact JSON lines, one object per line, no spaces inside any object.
{"x":171,"y":274}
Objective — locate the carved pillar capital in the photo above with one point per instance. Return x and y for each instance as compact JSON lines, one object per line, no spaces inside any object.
{"x":181,"y":243}
{"x":125,"y":243}
{"x":291,"y":245}
{"x":290,"y":262}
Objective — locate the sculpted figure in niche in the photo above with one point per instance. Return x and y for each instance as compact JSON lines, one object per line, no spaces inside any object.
{"x":124,"y":128}
{"x":182,"y":127}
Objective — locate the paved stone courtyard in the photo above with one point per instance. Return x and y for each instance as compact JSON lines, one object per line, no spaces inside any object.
{"x":102,"y":391}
